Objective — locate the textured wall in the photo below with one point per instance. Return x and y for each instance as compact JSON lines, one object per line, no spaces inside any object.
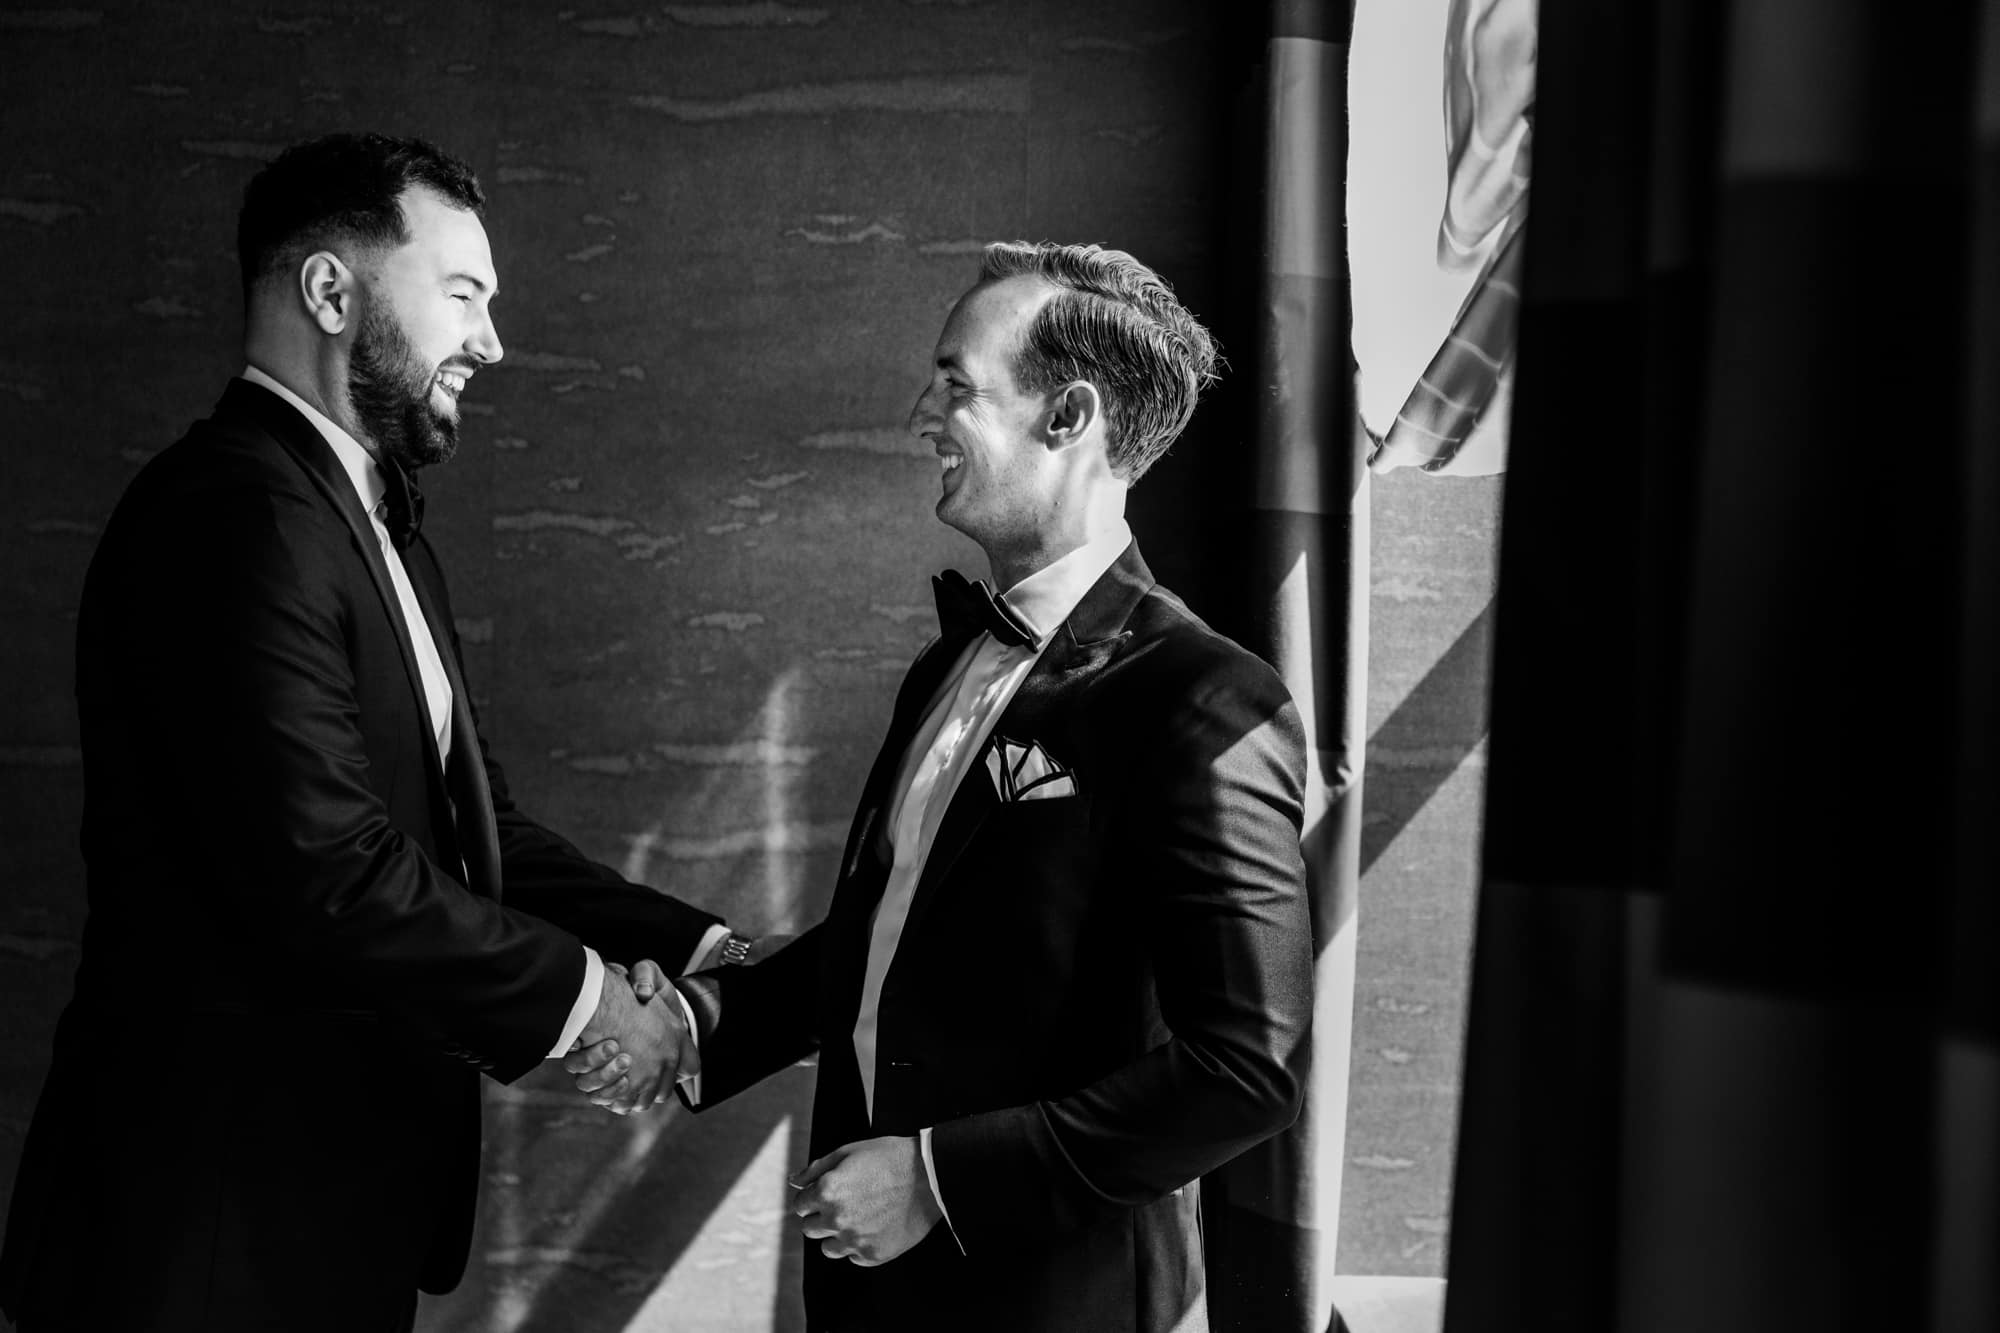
{"x":1431,"y":593}
{"x":687,"y":534}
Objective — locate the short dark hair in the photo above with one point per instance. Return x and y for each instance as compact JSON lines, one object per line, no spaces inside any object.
{"x":1117,"y":324}
{"x":341,"y":188}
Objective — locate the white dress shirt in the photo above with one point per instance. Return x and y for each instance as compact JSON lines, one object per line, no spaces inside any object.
{"x":360,"y":467}
{"x":956,"y":724}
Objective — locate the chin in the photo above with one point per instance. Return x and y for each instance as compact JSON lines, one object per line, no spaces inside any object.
{"x":951,"y":512}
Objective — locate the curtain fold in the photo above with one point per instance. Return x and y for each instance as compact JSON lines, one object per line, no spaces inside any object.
{"x":1271,"y":1218}
{"x":1733,"y":1055}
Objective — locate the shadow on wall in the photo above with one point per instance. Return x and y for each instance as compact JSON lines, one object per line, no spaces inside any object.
{"x":1420,"y":746}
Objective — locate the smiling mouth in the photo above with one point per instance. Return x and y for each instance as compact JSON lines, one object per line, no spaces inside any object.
{"x":452,"y":382}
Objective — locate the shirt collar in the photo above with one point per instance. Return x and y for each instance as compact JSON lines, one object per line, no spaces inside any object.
{"x":354,"y":458}
{"x":1045,"y":598}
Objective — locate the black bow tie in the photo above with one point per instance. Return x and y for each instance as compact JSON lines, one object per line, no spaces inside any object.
{"x":402,"y":503}
{"x":964,"y":609}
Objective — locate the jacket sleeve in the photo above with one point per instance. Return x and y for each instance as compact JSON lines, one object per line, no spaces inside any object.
{"x":543,"y":874}
{"x":751,"y":1022}
{"x":1212,"y":838}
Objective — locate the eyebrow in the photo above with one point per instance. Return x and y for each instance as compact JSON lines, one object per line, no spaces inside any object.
{"x":467,"y":277}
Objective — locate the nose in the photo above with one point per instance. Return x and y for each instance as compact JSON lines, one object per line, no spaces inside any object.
{"x":484,"y":344}
{"x":923,"y":416}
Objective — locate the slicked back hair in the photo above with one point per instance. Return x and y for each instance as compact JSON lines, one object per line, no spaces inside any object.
{"x":342,"y":188}
{"x":1117,"y":324}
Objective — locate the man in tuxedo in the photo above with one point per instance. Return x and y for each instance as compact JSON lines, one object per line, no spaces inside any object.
{"x":1066,"y":969}
{"x":316,"y":916}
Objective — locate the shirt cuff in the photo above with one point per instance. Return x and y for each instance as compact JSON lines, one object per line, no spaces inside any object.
{"x":711,"y":937}
{"x":586,"y":1003}
{"x":930,"y":1174}
{"x":689,"y":1083}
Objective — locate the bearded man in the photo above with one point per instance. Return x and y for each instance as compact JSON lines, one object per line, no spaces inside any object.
{"x":315,"y":914}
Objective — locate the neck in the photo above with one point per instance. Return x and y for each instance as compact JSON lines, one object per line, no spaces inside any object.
{"x":1064,"y":530}
{"x":316,"y":373}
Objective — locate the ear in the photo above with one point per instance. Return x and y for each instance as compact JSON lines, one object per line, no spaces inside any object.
{"x":1074,"y":411}
{"x":327,"y":288}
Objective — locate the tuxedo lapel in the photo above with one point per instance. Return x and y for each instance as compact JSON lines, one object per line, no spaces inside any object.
{"x":864,"y":869}
{"x":1080,"y":648}
{"x":868,"y":839}
{"x":274,"y":417}
{"x":1086,"y":641}
{"x":974,"y":800}
{"x":471,"y":796}
{"x":1099,"y":619}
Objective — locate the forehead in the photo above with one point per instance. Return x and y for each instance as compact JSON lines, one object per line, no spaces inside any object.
{"x":444,"y":239}
{"x":988,"y":320}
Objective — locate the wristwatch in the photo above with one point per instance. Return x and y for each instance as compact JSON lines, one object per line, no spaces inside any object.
{"x":735,"y":950}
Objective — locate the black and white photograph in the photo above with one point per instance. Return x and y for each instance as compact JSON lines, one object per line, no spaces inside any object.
{"x":1000,"y":666}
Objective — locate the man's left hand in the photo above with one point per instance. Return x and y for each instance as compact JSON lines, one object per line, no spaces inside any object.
{"x":869,"y":1201}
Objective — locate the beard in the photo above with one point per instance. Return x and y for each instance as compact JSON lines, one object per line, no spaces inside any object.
{"x":389,"y":388}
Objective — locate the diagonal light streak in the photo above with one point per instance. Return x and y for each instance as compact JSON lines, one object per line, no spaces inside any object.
{"x":517,"y":1302}
{"x":727,"y":1277}
{"x":781,"y":783}
{"x":760,"y":771}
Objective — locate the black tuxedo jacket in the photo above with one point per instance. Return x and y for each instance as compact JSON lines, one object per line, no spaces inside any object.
{"x":262,"y":1111}
{"x":1096,"y":997}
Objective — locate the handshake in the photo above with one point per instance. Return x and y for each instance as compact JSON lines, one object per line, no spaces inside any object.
{"x":637,"y":1045}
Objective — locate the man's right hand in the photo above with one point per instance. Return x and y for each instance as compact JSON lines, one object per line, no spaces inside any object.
{"x":647,"y":1043}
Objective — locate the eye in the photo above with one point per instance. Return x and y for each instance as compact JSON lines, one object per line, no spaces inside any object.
{"x":461,"y":296}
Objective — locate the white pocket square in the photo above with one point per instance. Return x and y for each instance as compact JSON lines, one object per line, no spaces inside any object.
{"x":1026,"y":772}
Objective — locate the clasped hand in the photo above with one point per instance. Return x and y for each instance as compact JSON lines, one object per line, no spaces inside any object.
{"x":869,"y":1201}
{"x":632,"y":1050}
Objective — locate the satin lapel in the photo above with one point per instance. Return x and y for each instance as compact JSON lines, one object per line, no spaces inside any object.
{"x":472,"y":797}
{"x":974,"y":800}
{"x":1080,"y":648}
{"x":302,"y":440}
{"x":865,"y":866}
{"x":913,"y":704}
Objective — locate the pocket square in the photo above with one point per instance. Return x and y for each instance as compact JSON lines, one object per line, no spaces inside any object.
{"x":1026,"y":772}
